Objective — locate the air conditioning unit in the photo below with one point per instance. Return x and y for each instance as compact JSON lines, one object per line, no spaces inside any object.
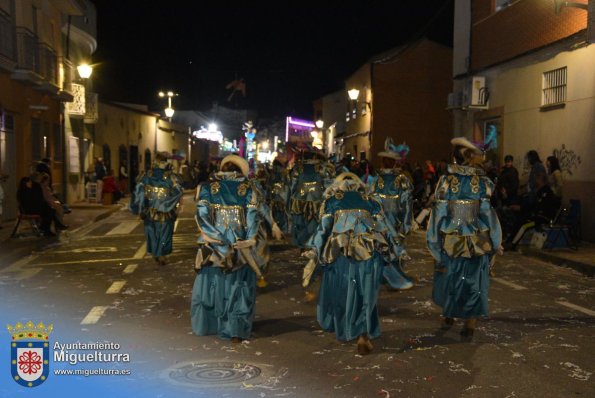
{"x":476,"y":94}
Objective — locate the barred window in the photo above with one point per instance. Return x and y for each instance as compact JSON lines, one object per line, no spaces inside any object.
{"x":554,"y":87}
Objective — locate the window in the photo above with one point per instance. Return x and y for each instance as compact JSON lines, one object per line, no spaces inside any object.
{"x":554,"y":87}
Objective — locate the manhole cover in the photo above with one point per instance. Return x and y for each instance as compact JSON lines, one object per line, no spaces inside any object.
{"x":213,"y":373}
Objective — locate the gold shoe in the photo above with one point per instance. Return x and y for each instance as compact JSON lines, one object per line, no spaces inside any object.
{"x":469,"y":328}
{"x":364,"y":345}
{"x":310,"y":297}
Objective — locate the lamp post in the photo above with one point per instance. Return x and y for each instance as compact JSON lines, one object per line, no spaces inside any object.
{"x":353,"y":95}
{"x":169,"y":111}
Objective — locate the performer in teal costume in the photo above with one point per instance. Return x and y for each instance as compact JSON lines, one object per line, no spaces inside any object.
{"x":229,"y":214}
{"x":351,"y":246}
{"x":157,"y":196}
{"x":309,"y":179}
{"x":280,"y":194}
{"x":393,"y":189}
{"x":463,"y":236}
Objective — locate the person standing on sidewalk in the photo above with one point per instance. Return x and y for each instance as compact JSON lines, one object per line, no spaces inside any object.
{"x":157,"y":197}
{"x":393,"y":189}
{"x":463,"y":236}
{"x":229,"y":214}
{"x":100,"y":172}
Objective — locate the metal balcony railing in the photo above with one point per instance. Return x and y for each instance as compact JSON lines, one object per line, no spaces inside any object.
{"x":48,"y":64}
{"x":27,"y":50}
{"x":66,"y":77}
{"x":7,"y":36}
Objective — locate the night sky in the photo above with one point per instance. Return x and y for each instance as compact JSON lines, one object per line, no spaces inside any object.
{"x":289,"y":54}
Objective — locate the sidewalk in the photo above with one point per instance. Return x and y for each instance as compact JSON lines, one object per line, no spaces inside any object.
{"x":581,"y":260}
{"x":83,"y":214}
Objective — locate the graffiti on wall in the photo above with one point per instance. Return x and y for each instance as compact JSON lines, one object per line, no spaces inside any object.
{"x":569,"y":159}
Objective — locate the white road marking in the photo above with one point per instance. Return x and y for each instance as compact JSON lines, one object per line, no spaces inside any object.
{"x":115,"y":287}
{"x":94,"y":315}
{"x":123,"y":228}
{"x":130,"y":268}
{"x":17,"y":265}
{"x":140,"y":253}
{"x":99,"y":260}
{"x":28,"y":273}
{"x":507,"y":283}
{"x":576,"y":307}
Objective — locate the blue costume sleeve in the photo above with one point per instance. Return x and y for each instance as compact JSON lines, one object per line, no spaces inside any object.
{"x":406,"y":208}
{"x":254,"y":212}
{"x":136,"y":207}
{"x":391,"y":233}
{"x":488,"y":216}
{"x":437,"y":218}
{"x":325,"y":227}
{"x":203,"y":216}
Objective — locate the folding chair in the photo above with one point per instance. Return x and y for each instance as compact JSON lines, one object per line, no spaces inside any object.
{"x":566,"y":231}
{"x":34,"y":222}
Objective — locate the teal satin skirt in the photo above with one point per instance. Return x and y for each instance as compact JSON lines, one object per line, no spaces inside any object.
{"x":348,"y":297}
{"x":223,"y":303}
{"x":461,"y":286}
{"x":159,"y":237}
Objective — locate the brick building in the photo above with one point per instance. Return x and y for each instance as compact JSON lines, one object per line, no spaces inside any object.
{"x":526,"y":67}
{"x":401,"y":95}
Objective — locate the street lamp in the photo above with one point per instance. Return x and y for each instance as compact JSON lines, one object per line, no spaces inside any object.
{"x":84,"y":70}
{"x":353,"y":94}
{"x":169,"y":111}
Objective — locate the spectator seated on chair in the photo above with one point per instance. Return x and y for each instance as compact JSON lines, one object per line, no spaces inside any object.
{"x":51,"y":201}
{"x":32,"y":203}
{"x":109,"y":186}
{"x":508,"y":208}
{"x":543,"y":212}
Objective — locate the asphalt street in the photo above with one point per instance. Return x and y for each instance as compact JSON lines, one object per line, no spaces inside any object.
{"x":97,"y":284}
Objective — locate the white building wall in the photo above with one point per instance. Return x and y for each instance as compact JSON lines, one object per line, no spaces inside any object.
{"x":568,"y":131}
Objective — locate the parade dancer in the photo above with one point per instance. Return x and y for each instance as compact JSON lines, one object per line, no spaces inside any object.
{"x":229,"y":214}
{"x":157,"y":197}
{"x":309,"y":177}
{"x":280,"y":194}
{"x":350,"y":247}
{"x":463,"y":237}
{"x":393,"y":189}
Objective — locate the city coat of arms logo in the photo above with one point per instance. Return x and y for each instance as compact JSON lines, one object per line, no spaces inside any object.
{"x":30,"y":353}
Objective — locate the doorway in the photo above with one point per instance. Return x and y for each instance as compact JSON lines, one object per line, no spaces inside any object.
{"x":8,"y":166}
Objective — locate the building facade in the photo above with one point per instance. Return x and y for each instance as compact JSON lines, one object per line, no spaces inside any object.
{"x":127,"y":137}
{"x":526,"y":67}
{"x":400,"y":94}
{"x":37,"y":60}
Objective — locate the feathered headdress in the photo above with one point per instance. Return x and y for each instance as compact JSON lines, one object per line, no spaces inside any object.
{"x":397,"y":152}
{"x":491,"y":141}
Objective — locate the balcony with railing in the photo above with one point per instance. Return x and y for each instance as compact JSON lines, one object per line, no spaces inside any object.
{"x":7,"y":42}
{"x":48,"y":69}
{"x":28,"y":66}
{"x":66,"y":71}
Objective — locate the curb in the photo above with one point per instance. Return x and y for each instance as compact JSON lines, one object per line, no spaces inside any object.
{"x":584,"y":268}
